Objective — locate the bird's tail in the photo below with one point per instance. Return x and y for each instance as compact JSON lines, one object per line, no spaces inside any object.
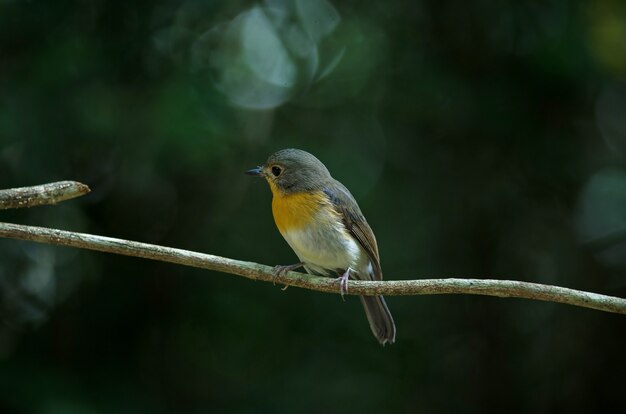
{"x":380,"y":319}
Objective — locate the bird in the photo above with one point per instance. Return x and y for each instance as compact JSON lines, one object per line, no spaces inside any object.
{"x":323,"y":224}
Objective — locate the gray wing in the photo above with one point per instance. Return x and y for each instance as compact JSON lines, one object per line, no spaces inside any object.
{"x":355,"y":223}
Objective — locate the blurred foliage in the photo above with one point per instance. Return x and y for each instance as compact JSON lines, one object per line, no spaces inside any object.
{"x":483,"y":139}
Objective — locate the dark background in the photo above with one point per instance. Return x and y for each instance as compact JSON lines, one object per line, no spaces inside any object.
{"x":481,"y":139}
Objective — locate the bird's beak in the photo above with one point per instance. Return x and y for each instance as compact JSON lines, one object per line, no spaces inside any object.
{"x":255,"y":171}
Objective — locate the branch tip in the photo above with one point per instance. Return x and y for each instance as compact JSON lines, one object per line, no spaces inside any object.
{"x":38,"y":195}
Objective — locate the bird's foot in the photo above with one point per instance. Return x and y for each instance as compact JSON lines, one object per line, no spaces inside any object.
{"x":281,"y":270}
{"x":343,"y":282}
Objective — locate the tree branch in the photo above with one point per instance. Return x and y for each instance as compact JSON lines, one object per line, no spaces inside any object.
{"x":41,"y":194}
{"x":255,"y":271}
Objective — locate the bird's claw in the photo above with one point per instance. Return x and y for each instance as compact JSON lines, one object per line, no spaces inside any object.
{"x":343,"y":283}
{"x":281,"y":271}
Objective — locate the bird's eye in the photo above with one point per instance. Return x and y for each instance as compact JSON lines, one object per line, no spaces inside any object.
{"x":276,"y":171}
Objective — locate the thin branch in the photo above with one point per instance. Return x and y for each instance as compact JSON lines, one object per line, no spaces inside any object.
{"x":41,"y":194}
{"x":255,"y":271}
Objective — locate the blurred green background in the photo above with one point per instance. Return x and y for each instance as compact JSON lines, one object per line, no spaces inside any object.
{"x":481,"y":139}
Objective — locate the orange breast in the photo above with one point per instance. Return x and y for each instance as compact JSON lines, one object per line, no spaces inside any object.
{"x":295,"y":211}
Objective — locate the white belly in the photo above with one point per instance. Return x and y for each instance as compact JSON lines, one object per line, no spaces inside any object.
{"x":326,"y":251}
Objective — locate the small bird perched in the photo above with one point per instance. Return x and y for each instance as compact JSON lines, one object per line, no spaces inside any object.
{"x":324,"y":226}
